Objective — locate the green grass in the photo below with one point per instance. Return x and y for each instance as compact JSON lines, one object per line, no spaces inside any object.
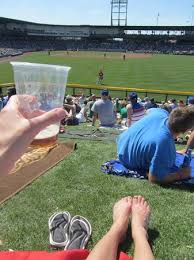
{"x":163,"y":72}
{"x":155,"y":72}
{"x":78,"y":185}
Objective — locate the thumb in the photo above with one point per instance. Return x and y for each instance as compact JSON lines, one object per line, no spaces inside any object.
{"x":46,"y":119}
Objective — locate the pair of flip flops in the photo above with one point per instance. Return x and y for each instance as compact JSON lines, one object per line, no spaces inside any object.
{"x":67,"y":232}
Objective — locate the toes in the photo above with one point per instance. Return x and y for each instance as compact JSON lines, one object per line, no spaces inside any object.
{"x":125,"y":199}
{"x":135,"y":200}
{"x":139,"y":199}
{"x":129,"y":199}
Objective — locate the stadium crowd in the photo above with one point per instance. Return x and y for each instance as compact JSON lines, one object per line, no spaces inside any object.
{"x":15,"y":46}
{"x":124,"y":112}
{"x":109,"y":111}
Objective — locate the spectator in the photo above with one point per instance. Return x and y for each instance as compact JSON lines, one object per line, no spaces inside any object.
{"x":153,"y":103}
{"x":148,"y":146}
{"x":181,"y":103}
{"x":173,"y":103}
{"x":81,"y":100}
{"x":70,"y":109}
{"x":167,"y":107}
{"x":90,"y":104}
{"x":10,"y":92}
{"x":104,"y":110}
{"x":146,"y":103}
{"x":123,"y":110}
{"x":135,"y":110}
{"x":190,"y":101}
{"x":82,"y":115}
{"x":117,"y":105}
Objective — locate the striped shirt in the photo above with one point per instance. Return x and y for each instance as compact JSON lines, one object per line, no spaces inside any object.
{"x":138,"y":112}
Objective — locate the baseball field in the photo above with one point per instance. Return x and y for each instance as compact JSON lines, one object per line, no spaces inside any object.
{"x":77,"y":183}
{"x":163,"y":72}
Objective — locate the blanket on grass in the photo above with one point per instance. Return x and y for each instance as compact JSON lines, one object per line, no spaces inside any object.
{"x":31,"y":166}
{"x":93,"y":135}
{"x":116,"y":168}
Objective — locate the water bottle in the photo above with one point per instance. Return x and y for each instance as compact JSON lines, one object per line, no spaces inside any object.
{"x":187,"y":158}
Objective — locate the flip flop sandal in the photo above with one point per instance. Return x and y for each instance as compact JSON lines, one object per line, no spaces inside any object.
{"x":80,"y":231}
{"x":58,"y":228}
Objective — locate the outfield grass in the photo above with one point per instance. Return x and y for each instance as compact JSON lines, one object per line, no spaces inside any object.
{"x":154,"y":72}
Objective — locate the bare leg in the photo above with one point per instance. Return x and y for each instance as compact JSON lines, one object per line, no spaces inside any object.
{"x":140,"y":217}
{"x":107,"y":247}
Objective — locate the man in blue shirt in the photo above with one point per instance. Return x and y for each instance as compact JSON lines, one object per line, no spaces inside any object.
{"x":148,"y":146}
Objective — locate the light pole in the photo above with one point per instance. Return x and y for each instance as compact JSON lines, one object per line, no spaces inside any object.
{"x":157,"y":19}
{"x":192,"y":15}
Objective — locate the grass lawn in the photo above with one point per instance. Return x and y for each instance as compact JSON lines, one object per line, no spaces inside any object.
{"x":78,"y":186}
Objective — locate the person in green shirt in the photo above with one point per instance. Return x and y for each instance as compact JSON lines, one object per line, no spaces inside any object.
{"x":123,"y":110}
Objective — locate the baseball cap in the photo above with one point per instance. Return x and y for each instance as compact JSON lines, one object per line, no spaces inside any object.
{"x":191,"y":100}
{"x":133,"y":95}
{"x":104,"y":92}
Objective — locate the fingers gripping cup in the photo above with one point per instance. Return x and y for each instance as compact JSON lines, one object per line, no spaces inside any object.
{"x":47,"y":83}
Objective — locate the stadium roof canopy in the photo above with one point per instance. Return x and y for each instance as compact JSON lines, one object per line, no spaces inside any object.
{"x":4,"y":20}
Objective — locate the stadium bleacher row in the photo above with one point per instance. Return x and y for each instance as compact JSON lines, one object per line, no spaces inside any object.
{"x":10,"y":52}
{"x":16,"y":46}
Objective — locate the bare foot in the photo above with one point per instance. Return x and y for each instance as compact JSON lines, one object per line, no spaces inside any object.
{"x":121,"y":213}
{"x":140,"y":216}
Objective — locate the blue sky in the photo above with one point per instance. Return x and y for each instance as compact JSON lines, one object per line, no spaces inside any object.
{"x":97,"y":12}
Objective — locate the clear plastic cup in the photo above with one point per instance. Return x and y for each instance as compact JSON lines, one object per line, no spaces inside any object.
{"x":48,"y":84}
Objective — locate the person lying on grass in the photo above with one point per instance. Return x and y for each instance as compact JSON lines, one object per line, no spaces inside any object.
{"x":18,"y":126}
{"x":148,"y":145}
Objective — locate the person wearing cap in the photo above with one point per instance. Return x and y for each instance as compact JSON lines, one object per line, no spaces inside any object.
{"x":103,"y":109}
{"x":135,"y":110}
{"x":148,"y":146}
{"x":190,"y":101}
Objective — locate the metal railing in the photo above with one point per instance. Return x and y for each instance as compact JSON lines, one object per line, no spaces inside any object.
{"x":123,"y":90}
